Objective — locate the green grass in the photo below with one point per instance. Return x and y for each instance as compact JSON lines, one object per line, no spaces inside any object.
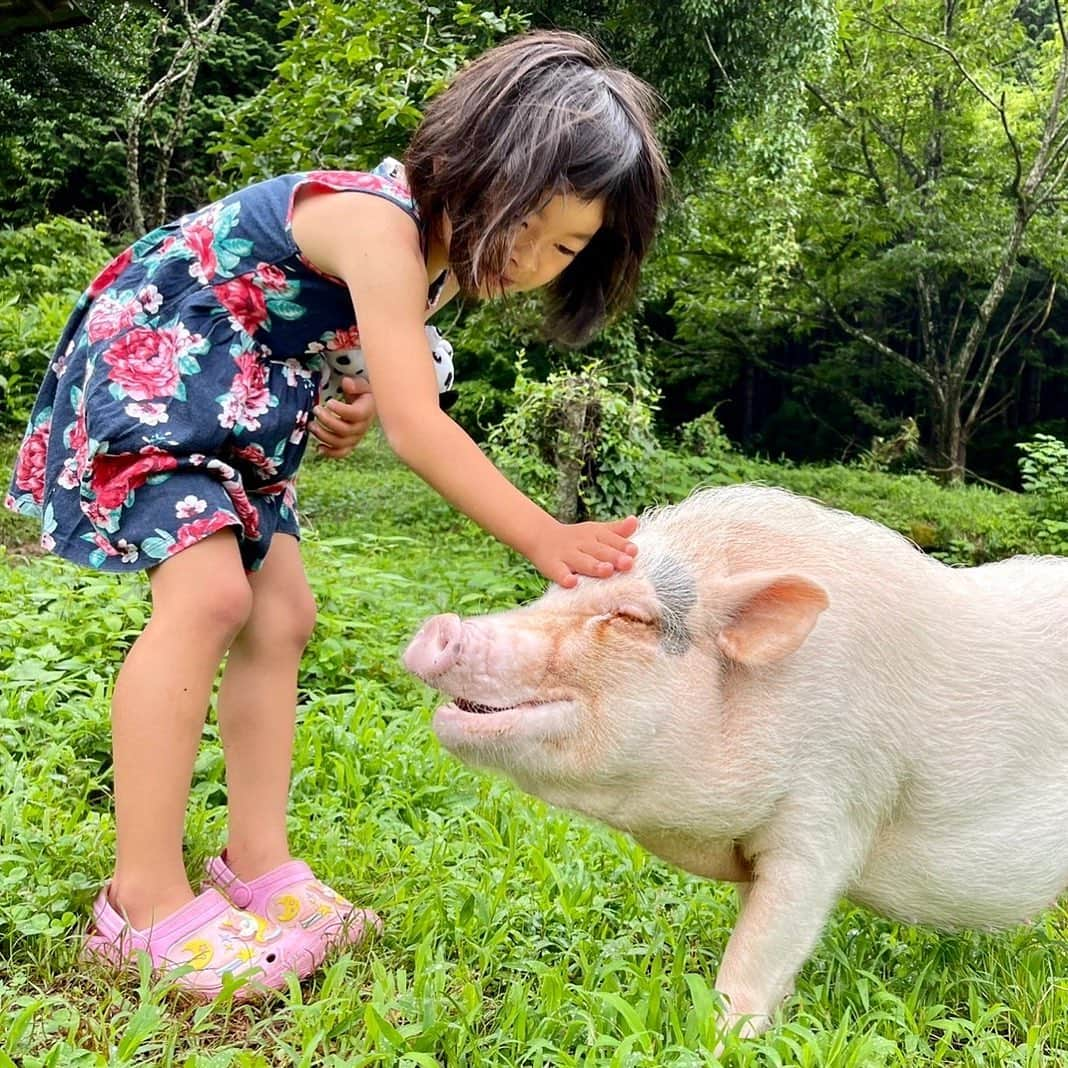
{"x":515,"y":934}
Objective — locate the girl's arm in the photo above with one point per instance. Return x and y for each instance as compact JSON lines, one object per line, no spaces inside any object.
{"x":375,"y":248}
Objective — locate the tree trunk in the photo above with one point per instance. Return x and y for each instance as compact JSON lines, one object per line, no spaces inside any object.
{"x":569,"y":451}
{"x":950,"y":445}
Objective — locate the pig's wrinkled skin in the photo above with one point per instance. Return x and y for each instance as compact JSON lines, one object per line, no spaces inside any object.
{"x":795,"y":700}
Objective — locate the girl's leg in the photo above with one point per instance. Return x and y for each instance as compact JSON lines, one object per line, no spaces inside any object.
{"x":257,"y":709}
{"x":200,"y":600}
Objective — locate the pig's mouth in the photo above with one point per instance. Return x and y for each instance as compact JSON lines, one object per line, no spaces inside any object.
{"x":489,"y":710}
{"x":464,"y":720}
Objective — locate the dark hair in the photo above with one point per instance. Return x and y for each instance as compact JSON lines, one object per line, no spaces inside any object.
{"x":540,"y":114}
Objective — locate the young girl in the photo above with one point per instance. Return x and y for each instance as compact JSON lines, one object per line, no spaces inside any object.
{"x":174,"y":416}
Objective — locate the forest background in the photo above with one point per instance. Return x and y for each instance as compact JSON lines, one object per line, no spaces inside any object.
{"x":863,"y":262}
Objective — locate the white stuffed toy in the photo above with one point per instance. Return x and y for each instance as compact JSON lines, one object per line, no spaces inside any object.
{"x":342,"y":362}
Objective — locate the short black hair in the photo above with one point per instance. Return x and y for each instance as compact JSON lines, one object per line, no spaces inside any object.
{"x":543,"y":113}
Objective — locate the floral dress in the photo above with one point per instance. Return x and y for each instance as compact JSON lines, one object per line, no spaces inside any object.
{"x":178,"y":398}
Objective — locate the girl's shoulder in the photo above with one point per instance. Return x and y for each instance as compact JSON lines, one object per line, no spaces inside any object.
{"x":387,"y":180}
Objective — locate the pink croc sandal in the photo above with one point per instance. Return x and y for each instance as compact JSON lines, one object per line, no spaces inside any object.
{"x":294,"y":899}
{"x":209,"y":935}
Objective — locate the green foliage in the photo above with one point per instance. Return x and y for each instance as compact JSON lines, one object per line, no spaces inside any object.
{"x":61,"y":95}
{"x":239,"y":61}
{"x":580,"y":434}
{"x":895,"y":451}
{"x":715,"y":62}
{"x":43,"y":269}
{"x":891,"y":217}
{"x":351,"y":82}
{"x":516,"y":934}
{"x":704,"y":436}
{"x":1044,"y":465}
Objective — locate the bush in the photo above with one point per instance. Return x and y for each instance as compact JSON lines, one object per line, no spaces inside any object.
{"x":43,"y":270}
{"x":704,"y":436}
{"x":577,"y":443}
{"x":1044,"y":466}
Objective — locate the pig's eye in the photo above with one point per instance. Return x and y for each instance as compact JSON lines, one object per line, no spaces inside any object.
{"x":634,"y":614}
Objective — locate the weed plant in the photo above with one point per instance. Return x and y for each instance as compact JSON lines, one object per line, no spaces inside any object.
{"x":515,"y":934}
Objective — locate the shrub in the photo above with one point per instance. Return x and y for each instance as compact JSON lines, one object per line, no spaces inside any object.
{"x":43,"y":270}
{"x":1044,"y":466}
{"x":578,"y":443}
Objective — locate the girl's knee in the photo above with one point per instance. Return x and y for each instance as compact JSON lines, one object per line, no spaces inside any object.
{"x":204,"y":589}
{"x":217,"y":610}
{"x":227,"y":607}
{"x":281,"y":622}
{"x":296,"y":624}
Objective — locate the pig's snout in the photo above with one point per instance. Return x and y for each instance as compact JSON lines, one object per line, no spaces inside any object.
{"x":436,"y":647}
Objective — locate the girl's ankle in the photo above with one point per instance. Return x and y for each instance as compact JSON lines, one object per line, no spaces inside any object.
{"x":250,"y":863}
{"x":147,"y":906}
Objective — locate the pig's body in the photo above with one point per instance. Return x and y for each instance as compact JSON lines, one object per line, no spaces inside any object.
{"x":796,"y":700}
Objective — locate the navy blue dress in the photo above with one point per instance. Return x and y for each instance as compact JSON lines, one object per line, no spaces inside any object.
{"x":178,"y":398}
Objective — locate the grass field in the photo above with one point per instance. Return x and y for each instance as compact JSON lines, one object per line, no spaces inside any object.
{"x":515,"y":935}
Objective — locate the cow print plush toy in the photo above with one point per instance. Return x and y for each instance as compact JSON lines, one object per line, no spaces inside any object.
{"x":341,"y":362}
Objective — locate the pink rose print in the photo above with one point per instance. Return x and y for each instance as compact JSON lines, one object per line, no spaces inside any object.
{"x":199,"y":238}
{"x":271,"y":277}
{"x":295,"y":370}
{"x":245,"y":302}
{"x":371,"y":183}
{"x":76,"y":438}
{"x":231,"y":482}
{"x":257,"y":458}
{"x":129,"y":552}
{"x":30,"y":469}
{"x":144,"y":362}
{"x":300,"y":428}
{"x":249,"y":397}
{"x":151,"y":299}
{"x":115,"y":477}
{"x":345,"y":338}
{"x":191,"y":533}
{"x":104,"y":545}
{"x":59,"y":366}
{"x":250,"y":518}
{"x":108,"y":317}
{"x":357,"y":180}
{"x":110,"y":272}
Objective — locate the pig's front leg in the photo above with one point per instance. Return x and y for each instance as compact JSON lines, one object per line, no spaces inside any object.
{"x":783,"y":911}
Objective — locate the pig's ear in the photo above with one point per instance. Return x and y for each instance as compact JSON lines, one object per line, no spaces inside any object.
{"x":770,"y":616}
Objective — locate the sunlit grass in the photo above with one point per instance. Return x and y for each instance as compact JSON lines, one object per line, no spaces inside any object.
{"x":515,"y":935}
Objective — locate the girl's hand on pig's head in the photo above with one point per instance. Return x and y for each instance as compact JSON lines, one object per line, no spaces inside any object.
{"x":598,"y":550}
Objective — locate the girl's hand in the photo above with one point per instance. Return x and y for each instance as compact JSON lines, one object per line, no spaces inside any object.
{"x":595,"y":549}
{"x":339,"y":427}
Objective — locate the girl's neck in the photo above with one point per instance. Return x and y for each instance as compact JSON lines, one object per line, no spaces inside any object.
{"x":437,"y":254}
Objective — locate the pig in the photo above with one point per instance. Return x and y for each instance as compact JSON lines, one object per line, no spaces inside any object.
{"x":796,"y":700}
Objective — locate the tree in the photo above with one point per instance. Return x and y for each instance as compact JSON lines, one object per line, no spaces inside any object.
{"x":196,"y":35}
{"x":912,"y":252}
{"x":713,"y":61}
{"x":59,"y":94}
{"x":944,"y":131}
{"x":351,"y":80}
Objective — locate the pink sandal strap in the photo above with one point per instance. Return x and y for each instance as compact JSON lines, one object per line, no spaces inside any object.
{"x":242,"y":894}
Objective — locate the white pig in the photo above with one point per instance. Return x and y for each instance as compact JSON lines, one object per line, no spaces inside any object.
{"x":796,"y":700}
